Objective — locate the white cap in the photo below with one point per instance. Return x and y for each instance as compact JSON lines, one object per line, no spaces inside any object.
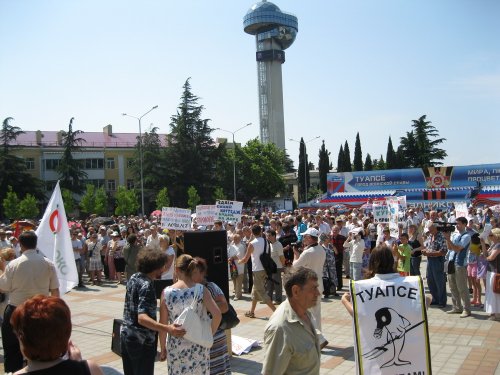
{"x":313,"y":232}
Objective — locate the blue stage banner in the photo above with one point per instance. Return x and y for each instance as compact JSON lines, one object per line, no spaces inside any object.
{"x":415,"y":178}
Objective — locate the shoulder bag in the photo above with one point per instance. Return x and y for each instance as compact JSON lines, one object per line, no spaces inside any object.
{"x":267,"y":262}
{"x":198,"y":329}
{"x":229,"y":318}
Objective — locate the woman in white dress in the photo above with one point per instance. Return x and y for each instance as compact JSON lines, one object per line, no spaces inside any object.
{"x":183,"y":356}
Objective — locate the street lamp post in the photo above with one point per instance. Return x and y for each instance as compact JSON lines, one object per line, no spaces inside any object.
{"x":140,"y":154}
{"x":305,"y":164}
{"x":234,"y":155}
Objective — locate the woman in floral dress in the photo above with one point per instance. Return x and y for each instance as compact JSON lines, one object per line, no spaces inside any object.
{"x":183,"y":356}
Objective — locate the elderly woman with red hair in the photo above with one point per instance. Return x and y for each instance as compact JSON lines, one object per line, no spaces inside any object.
{"x":43,"y":327}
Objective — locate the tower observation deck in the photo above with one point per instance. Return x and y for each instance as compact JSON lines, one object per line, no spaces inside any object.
{"x":274,"y":32}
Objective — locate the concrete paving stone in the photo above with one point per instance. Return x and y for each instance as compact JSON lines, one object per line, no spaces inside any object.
{"x":457,"y":345}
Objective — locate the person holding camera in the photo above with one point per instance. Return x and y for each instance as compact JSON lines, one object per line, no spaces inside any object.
{"x":457,"y":252}
{"x":435,"y":249}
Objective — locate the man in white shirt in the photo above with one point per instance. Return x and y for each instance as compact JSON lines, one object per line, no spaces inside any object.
{"x":274,"y":287}
{"x":153,"y":240}
{"x":313,"y":257}
{"x":4,"y":242}
{"x":323,"y":227}
{"x":77,"y":253}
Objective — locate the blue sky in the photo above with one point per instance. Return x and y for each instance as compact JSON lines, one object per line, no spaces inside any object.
{"x":367,"y":66}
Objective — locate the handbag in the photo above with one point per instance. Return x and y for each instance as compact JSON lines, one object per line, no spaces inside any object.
{"x":496,"y":283}
{"x":198,"y":329}
{"x":233,"y":269}
{"x":229,"y":318}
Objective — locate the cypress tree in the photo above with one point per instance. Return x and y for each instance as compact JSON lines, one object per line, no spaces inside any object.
{"x":347,"y":158}
{"x":358,"y":156}
{"x":390,"y":156}
{"x":323,"y":166}
{"x":368,"y":163}
{"x":340,"y":160}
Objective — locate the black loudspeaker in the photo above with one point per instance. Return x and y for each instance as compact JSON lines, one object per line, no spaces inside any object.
{"x":211,"y":246}
{"x":115,"y":337}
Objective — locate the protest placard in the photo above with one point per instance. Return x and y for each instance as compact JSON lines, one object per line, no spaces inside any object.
{"x":206,"y":214}
{"x":380,"y":213}
{"x":176,"y":218}
{"x":229,"y":210}
{"x":461,"y":209}
{"x":393,"y":208}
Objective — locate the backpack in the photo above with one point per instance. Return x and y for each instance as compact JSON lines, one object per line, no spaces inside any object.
{"x":268,"y":262}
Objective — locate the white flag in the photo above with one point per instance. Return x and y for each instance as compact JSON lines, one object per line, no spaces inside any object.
{"x":54,"y":241}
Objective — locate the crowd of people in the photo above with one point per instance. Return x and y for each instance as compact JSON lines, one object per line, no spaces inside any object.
{"x":314,"y":252}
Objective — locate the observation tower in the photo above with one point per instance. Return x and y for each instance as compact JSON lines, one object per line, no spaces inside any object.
{"x":274,"y":32}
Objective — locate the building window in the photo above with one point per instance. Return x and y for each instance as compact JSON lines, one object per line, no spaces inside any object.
{"x":130,"y":184}
{"x":130,"y":163}
{"x":96,"y":183}
{"x":30,"y":164}
{"x":52,"y":164}
{"x":111,"y":185}
{"x":110,"y":163}
{"x":92,"y":163}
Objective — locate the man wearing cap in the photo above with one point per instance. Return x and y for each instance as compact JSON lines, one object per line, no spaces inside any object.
{"x":435,"y":250}
{"x":313,"y":257}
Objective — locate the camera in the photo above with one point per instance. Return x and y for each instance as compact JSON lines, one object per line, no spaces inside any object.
{"x":444,"y":227}
{"x":296,"y":245}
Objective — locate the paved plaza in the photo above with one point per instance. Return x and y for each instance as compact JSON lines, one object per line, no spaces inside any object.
{"x":458,"y":346}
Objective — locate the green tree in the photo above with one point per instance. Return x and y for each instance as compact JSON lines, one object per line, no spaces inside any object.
{"x":9,"y":134}
{"x":409,"y":150}
{"x":324,"y":167}
{"x":368,"y":163}
{"x":347,"y":158}
{"x":193,"y":198}
{"x":69,"y":202}
{"x":219,"y":194}
{"x":426,"y":138}
{"x":162,"y":199}
{"x":71,"y":173}
{"x":126,"y":201}
{"x":261,"y":169}
{"x":289,"y":168}
{"x":11,"y":204}
{"x":101,"y":201}
{"x":379,"y":164}
{"x":303,"y":173}
{"x":390,"y":157}
{"x":191,"y":158}
{"x":87,"y":203}
{"x":340,"y":160}
{"x":358,"y":155}
{"x":28,"y":207}
{"x":13,"y":169}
